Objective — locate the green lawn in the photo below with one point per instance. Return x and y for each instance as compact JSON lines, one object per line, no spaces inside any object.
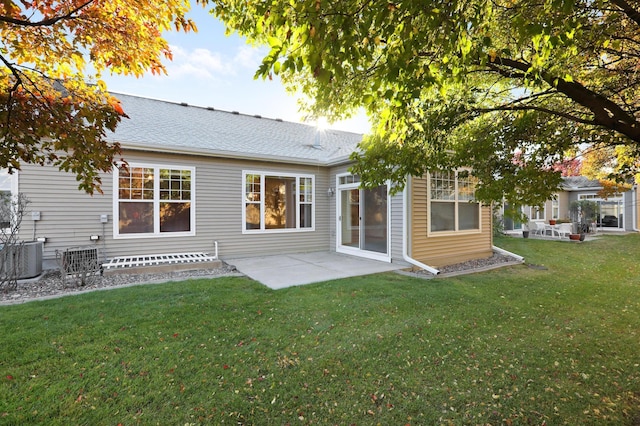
{"x":557,"y":343}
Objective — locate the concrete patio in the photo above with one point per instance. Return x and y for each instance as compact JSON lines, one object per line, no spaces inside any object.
{"x":287,"y":270}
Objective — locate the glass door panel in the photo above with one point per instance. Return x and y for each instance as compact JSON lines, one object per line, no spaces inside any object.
{"x":350,"y":214}
{"x":509,"y":223}
{"x":363,"y":220}
{"x":610,"y":214}
{"x":374,"y":232}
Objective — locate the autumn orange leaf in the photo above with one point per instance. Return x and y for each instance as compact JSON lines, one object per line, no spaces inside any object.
{"x":46,"y":66}
{"x":115,"y":103}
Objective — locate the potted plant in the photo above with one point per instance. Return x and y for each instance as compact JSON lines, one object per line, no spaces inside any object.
{"x":525,"y":226}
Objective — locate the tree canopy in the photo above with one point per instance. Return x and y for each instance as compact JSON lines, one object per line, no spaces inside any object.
{"x":54,"y":107}
{"x":509,"y":88}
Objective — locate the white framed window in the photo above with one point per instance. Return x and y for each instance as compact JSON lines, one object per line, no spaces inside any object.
{"x":8,"y":194}
{"x":537,"y":213}
{"x":154,"y":200}
{"x":555,"y":208}
{"x":277,"y":202}
{"x":452,"y":203}
{"x":592,"y":196}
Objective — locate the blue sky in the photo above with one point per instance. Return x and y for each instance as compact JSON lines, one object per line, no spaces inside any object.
{"x":211,"y":69}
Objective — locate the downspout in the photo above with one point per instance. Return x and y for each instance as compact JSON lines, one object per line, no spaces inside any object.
{"x":634,"y":203}
{"x":507,"y":253}
{"x":405,"y":233}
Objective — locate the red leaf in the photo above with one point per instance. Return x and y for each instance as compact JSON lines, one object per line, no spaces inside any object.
{"x":115,"y":103}
{"x":9,"y":377}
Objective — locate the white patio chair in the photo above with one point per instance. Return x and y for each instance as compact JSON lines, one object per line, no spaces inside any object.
{"x":564,"y":229}
{"x":540,"y":228}
{"x":553,"y":229}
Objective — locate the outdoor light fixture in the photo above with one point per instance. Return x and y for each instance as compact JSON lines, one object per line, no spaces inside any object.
{"x":331,"y":192}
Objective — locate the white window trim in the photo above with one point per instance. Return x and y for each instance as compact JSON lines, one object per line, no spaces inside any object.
{"x":14,"y":182}
{"x":543,"y":209}
{"x":555,"y":207}
{"x":156,"y":203}
{"x":262,"y":175}
{"x":14,"y":188}
{"x":593,"y":196}
{"x":456,"y":202}
{"x":384,"y":257}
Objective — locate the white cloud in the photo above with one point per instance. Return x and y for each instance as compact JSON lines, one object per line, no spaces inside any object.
{"x":199,"y":63}
{"x":205,"y":64}
{"x":249,"y":57}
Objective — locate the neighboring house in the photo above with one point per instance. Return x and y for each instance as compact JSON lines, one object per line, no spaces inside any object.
{"x":197,"y":178}
{"x":616,"y":213}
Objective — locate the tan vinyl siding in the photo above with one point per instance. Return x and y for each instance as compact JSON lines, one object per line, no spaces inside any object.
{"x":69,"y":217}
{"x":450,"y":248}
{"x":637,"y":207}
{"x":563,"y":202}
{"x":397,"y":230}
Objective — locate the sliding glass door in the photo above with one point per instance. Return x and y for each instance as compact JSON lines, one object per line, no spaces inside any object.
{"x":363,"y":223}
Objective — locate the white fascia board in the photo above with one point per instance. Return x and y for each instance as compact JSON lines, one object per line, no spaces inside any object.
{"x":221,"y":154}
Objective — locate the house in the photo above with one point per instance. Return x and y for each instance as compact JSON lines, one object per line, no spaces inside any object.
{"x":199,"y":180}
{"x":617,"y":213}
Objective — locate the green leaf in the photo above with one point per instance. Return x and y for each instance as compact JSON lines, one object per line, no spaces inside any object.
{"x":459,"y":70}
{"x":323,"y":76}
{"x":274,"y":42}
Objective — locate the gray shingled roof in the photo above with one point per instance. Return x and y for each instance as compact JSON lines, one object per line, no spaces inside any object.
{"x":579,"y":182}
{"x":166,"y":126}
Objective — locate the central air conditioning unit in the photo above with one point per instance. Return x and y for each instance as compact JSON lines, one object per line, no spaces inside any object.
{"x":24,"y":259}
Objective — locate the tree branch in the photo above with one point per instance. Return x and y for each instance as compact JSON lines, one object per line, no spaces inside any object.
{"x":533,"y":96}
{"x":45,"y":22}
{"x":15,"y":86}
{"x":510,"y":107}
{"x":628,"y":10}
{"x":505,"y":73}
{"x":606,"y":113}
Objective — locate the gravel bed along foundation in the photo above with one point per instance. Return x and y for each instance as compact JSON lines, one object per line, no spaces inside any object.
{"x":50,"y":284}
